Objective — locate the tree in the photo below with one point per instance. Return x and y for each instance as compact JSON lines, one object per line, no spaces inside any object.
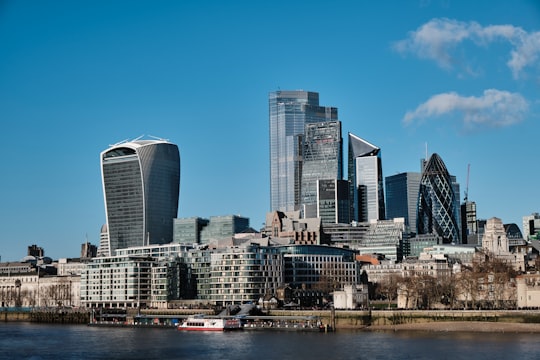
{"x":332,"y":277}
{"x":387,"y":289}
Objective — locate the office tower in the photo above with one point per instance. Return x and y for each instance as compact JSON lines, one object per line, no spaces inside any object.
{"x":289,"y":112}
{"x":322,"y":160}
{"x":333,"y":205}
{"x":531,"y":226}
{"x":103,"y":248}
{"x":219,"y":227}
{"x":457,"y":201}
{"x":402,"y":197}
{"x":88,"y":250}
{"x":469,"y":225}
{"x":141,"y":181}
{"x":188,"y":230}
{"x":37,"y":251}
{"x":514,"y":235}
{"x":366,"y":180}
{"x":437,"y":207}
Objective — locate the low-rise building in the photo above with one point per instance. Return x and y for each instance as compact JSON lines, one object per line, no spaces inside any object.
{"x":145,"y":276}
{"x":235,"y":275}
{"x":351,"y":297}
{"x":528,"y":291}
{"x":31,"y":289}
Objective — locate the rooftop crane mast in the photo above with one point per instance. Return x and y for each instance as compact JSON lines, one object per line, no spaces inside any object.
{"x":467,"y":185}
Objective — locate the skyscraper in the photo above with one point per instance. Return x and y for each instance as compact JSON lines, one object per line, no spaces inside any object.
{"x":438,"y":210}
{"x":531,"y":226}
{"x":322,"y":160}
{"x":366,"y":180}
{"x":289,"y":112}
{"x":141,"y":182}
{"x":402,"y":197}
{"x":333,"y":205}
{"x":469,"y":224}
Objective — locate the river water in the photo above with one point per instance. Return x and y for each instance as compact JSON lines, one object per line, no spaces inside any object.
{"x":45,"y":341}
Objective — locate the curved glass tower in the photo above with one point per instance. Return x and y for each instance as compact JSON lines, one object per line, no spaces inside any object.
{"x":141,"y":184}
{"x":437,"y":209}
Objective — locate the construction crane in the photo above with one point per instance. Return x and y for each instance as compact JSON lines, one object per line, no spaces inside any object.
{"x":467,"y":184}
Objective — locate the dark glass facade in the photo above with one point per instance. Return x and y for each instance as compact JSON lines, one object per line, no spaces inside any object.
{"x":141,"y":183}
{"x":333,"y":201}
{"x":402,"y":197}
{"x":438,"y":210}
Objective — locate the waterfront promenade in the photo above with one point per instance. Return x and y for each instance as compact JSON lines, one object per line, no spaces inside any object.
{"x":430,"y":320}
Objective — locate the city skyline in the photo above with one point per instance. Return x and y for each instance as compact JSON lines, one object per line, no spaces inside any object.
{"x":77,"y":77}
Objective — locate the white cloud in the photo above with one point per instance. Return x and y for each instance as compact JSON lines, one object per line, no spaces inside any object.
{"x":436,"y":39}
{"x":495,"y":108}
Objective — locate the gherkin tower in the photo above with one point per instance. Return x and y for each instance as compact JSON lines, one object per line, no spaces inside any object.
{"x":437,"y":210}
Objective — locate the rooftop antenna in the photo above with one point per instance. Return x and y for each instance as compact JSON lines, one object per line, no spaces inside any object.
{"x":120,"y":142}
{"x":467,"y":184}
{"x":157,"y":138}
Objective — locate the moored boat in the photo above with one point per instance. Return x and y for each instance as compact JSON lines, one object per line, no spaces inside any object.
{"x":209,"y":324}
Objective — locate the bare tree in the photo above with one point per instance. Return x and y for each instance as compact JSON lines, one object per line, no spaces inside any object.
{"x":387,"y":289}
{"x":332,"y":277}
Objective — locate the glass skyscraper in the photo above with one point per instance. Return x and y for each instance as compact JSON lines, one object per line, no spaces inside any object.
{"x":289,"y":112}
{"x":402,"y":197}
{"x":469,"y":223}
{"x":366,"y":180}
{"x":333,"y":205}
{"x":438,"y":210}
{"x":141,"y":183}
{"x":322,"y":160}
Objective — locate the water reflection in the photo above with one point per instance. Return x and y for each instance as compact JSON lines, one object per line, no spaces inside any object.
{"x":39,"y":341}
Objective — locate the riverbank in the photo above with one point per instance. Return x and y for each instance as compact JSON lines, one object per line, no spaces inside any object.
{"x":460,"y":326}
{"x":512,"y":321}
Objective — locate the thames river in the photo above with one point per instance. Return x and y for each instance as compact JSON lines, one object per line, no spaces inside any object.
{"x":45,"y":341}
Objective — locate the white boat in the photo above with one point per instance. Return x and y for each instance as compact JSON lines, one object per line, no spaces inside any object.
{"x":209,"y":324}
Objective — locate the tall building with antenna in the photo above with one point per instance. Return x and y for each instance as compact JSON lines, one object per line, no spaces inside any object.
{"x":141,"y":184}
{"x":469,"y":222}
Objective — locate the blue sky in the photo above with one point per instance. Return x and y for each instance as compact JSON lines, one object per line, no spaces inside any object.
{"x":462,"y":77}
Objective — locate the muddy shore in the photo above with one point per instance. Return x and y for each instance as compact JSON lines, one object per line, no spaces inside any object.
{"x":460,"y":326}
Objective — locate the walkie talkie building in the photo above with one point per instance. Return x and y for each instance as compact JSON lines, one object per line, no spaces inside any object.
{"x":141,"y":184}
